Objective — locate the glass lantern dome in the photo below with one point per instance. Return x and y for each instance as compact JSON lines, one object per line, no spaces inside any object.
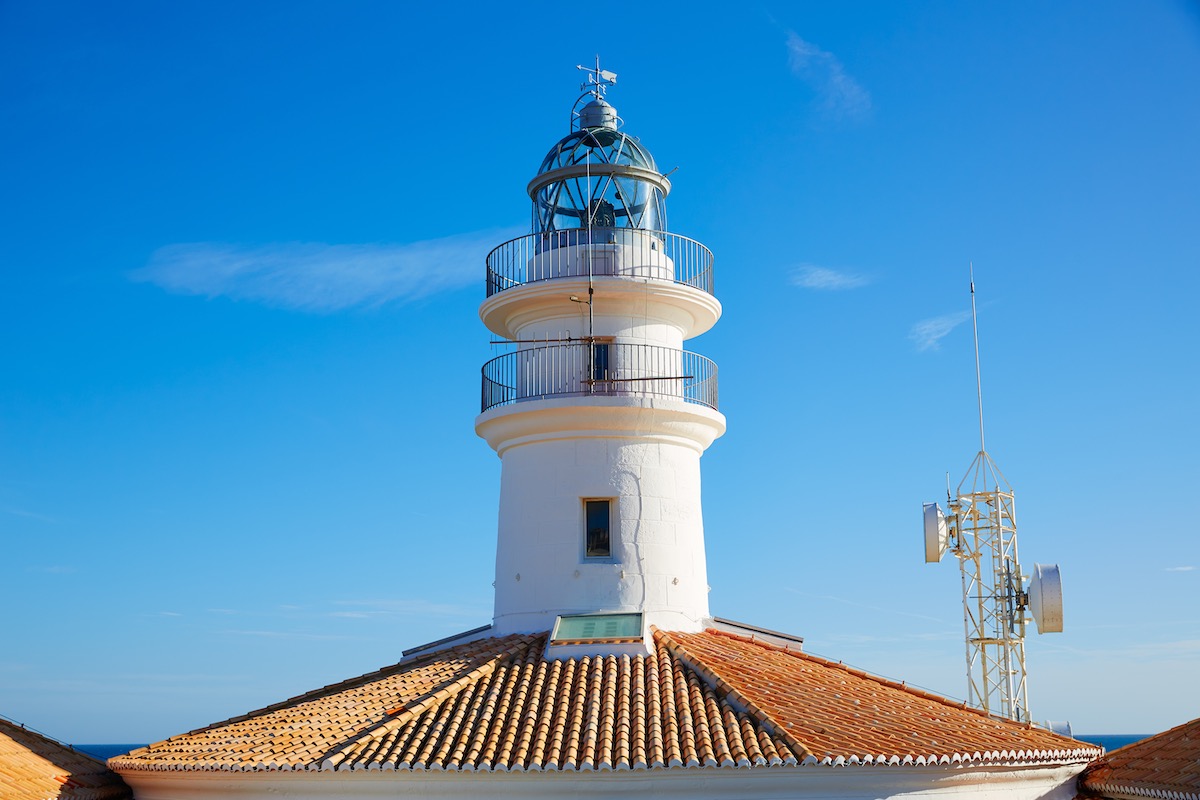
{"x":598,"y":178}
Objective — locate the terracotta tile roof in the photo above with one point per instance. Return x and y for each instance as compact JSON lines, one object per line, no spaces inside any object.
{"x":839,"y":715}
{"x":299,"y":733}
{"x":1165,"y":766}
{"x":34,"y":767}
{"x":700,"y":700}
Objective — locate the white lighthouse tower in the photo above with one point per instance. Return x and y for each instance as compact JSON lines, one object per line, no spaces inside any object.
{"x":598,"y":414}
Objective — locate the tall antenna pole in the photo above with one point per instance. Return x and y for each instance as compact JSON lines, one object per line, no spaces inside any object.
{"x":978,"y":378}
{"x":981,"y":530}
{"x":591,"y":376}
{"x":597,"y":82}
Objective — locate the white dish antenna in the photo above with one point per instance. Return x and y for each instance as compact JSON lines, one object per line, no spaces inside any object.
{"x":1045,"y":598}
{"x":935,"y":533}
{"x":1061,"y":727}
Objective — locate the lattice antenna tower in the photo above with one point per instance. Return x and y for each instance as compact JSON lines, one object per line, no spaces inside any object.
{"x":981,"y":531}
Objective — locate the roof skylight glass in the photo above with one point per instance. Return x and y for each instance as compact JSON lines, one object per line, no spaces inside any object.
{"x":582,"y":628}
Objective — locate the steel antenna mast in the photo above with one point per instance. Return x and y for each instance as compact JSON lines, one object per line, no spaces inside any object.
{"x":981,"y":531}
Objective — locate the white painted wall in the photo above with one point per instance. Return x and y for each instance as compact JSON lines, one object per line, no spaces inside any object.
{"x":764,"y":783}
{"x":632,"y":253}
{"x":642,"y":452}
{"x":623,"y":307}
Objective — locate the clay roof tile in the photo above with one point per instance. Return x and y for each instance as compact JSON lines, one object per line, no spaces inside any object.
{"x":33,"y":767}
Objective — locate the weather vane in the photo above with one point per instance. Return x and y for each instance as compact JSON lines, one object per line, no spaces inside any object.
{"x":598,"y":80}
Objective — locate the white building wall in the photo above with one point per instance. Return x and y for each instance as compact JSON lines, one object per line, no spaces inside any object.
{"x":621,"y":307}
{"x":657,"y":564}
{"x":764,"y":783}
{"x":573,"y":323}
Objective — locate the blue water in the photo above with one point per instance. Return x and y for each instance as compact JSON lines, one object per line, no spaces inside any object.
{"x":106,"y":751}
{"x":1111,"y":741}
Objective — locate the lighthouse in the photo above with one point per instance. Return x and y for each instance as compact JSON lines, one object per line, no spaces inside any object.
{"x":603,"y":672}
{"x":597,"y":412}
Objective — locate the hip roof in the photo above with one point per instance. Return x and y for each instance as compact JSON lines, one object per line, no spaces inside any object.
{"x":699,"y":700}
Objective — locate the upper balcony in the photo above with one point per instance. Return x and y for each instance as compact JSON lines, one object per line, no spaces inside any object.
{"x":541,"y":372}
{"x":615,"y":252}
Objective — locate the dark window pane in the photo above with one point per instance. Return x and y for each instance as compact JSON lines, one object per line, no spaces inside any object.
{"x":596,"y":514}
{"x":599,"y":362}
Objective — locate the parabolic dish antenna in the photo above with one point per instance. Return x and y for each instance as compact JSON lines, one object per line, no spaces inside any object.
{"x":935,"y":533}
{"x":1062,"y":728}
{"x":1045,"y":598}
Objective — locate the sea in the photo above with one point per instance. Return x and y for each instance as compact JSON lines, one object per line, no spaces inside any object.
{"x":1109,"y":741}
{"x":105,"y":751}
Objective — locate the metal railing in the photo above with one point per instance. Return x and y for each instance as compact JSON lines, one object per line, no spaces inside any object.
{"x":603,"y":368}
{"x":624,"y":252}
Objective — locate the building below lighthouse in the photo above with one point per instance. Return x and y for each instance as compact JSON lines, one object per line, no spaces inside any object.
{"x":604,"y":671}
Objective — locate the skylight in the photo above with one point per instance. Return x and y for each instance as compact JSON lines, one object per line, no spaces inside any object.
{"x":589,"y":628}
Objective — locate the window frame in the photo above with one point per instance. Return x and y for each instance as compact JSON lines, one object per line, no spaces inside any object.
{"x":609,"y":504}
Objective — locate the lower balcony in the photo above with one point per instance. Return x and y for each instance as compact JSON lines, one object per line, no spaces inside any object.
{"x":598,"y":368}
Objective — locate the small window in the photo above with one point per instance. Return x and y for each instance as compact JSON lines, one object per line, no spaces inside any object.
{"x":599,"y":375}
{"x":592,"y":628}
{"x":597,"y":527}
{"x":600,"y":362}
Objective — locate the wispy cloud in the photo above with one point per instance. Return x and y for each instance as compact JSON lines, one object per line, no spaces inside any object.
{"x":1148,"y":651}
{"x":861,"y":639}
{"x":844,"y":601}
{"x":928,"y":334}
{"x":321,"y":278}
{"x":406,"y":608}
{"x":299,"y":635}
{"x":810,"y":276}
{"x":54,"y":569}
{"x":1180,"y":569}
{"x":20,"y":512}
{"x":838,"y":95}
{"x":369,"y":608}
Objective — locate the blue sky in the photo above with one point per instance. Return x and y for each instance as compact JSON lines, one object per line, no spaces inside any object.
{"x":242,"y":253}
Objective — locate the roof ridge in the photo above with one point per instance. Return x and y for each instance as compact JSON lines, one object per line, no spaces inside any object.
{"x":862,"y":673}
{"x":731,"y":694}
{"x":400,"y":716}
